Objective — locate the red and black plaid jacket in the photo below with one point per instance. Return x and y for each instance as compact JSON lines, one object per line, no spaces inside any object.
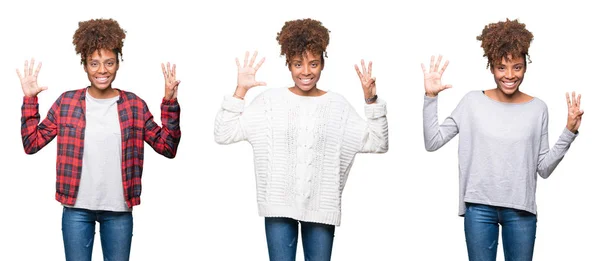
{"x":66,"y":118}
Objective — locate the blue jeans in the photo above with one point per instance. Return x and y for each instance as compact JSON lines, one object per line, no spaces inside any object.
{"x":282,"y":239}
{"x":78,"y":228}
{"x":481,"y":232}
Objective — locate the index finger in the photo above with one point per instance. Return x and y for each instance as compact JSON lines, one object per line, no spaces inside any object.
{"x":568,"y":99}
{"x":358,"y":72}
{"x":37,"y":70}
{"x":162,"y":65}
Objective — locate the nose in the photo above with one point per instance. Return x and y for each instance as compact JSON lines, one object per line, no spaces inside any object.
{"x":305,"y":70}
{"x":509,"y":73}
{"x":101,"y":68}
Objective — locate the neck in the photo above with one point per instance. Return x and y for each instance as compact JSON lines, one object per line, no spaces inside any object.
{"x":498,"y":95}
{"x":312,"y":92}
{"x":102,"y":94}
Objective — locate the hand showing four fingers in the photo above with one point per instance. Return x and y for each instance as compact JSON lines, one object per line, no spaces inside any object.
{"x":575,"y":112}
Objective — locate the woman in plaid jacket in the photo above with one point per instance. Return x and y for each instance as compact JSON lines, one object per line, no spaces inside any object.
{"x":102,"y":182}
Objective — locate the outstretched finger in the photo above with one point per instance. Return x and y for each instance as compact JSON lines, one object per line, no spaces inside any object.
{"x":252,"y":59}
{"x":237,"y":62}
{"x":437,"y":63}
{"x":431,"y":63}
{"x":573,"y":100}
{"x":162,"y":65}
{"x":568,"y":99}
{"x":360,"y":75}
{"x":20,"y":76}
{"x":26,"y":68}
{"x":174,"y":73}
{"x":370,"y":68}
{"x":246,"y":59}
{"x":259,"y":64}
{"x":423,"y":68}
{"x":31,"y":66}
{"x":444,"y":67}
{"x":364,"y":69}
{"x":37,"y":70}
{"x":578,"y":101}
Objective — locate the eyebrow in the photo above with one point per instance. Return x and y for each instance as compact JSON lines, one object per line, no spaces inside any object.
{"x":97,"y":60}
{"x":312,"y":61}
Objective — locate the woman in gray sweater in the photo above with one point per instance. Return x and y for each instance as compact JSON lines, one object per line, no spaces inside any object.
{"x":503,"y":144}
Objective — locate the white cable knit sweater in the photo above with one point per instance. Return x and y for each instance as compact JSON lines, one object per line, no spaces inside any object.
{"x":303,"y":148}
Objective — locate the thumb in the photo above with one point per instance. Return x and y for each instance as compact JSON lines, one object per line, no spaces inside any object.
{"x":43,"y":88}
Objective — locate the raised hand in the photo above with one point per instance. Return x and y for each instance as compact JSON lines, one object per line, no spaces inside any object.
{"x":433,"y":78}
{"x":171,"y":82}
{"x":246,"y":75}
{"x":29,"y":79}
{"x":575,"y":112}
{"x":366,"y":79}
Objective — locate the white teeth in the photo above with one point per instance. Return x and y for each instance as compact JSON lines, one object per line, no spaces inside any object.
{"x":509,"y":84}
{"x":305,"y":80}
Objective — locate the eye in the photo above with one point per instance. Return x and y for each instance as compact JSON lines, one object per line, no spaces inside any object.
{"x":297,"y":65}
{"x":111,"y":64}
{"x":94,"y":64}
{"x":314,"y":65}
{"x":518,"y":68}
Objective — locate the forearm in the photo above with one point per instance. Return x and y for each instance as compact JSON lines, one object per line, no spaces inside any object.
{"x":165,"y":139}
{"x":34,"y":135}
{"x":228,"y":128}
{"x":435,"y":135}
{"x":376,"y":133}
{"x":550,"y":158}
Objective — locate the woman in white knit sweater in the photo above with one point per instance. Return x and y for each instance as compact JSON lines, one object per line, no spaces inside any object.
{"x":304,"y":141}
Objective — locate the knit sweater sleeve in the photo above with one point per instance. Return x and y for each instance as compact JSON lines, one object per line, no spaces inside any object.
{"x":229,"y":122}
{"x":373,"y":131}
{"x":549,"y":158}
{"x":437,"y":135}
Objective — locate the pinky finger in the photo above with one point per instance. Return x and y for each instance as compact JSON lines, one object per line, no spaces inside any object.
{"x":20,"y":76}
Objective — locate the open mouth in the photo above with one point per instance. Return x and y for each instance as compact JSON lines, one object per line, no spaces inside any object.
{"x":509,"y":85}
{"x":306,"y":80}
{"x":101,"y":79}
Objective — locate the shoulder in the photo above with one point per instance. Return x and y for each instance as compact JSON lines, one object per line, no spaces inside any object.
{"x":68,"y":96}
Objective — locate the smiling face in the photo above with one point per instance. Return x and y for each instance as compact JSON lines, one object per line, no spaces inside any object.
{"x":306,"y":71}
{"x":101,"y":68}
{"x":509,"y":74}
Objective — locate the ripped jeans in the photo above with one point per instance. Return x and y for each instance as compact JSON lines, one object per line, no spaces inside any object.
{"x":79,"y":228}
{"x":481,"y":232}
{"x":282,"y":239}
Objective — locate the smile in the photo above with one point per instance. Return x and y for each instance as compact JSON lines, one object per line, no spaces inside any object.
{"x":306,"y":80}
{"x":102,"y":79}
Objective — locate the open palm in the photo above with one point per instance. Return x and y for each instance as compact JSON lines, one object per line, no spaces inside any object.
{"x":433,"y":77}
{"x":29,"y":79}
{"x":247,"y":72}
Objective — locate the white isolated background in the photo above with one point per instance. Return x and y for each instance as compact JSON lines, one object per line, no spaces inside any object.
{"x":396,"y":206}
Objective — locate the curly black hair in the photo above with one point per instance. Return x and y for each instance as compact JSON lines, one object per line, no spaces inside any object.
{"x":298,"y":36}
{"x":501,"y":39}
{"x":97,"y":34}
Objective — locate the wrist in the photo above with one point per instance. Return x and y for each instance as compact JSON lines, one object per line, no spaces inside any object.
{"x":431,"y":94}
{"x":371,"y":100}
{"x":240,"y":92}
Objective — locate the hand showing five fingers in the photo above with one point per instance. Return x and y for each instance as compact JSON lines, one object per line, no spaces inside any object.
{"x":29,"y":79}
{"x":433,"y":78}
{"x":366,"y":79}
{"x":171,"y":82}
{"x":575,"y":112}
{"x":247,"y":74}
